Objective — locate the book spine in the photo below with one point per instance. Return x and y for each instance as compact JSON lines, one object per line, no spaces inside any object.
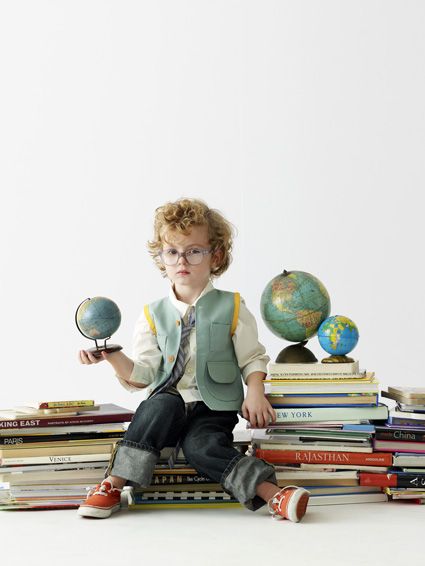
{"x":60,"y":421}
{"x":314,"y":369}
{"x":400,"y":435}
{"x":57,"y":450}
{"x":402,"y":421}
{"x":408,"y":415}
{"x":171,"y":479}
{"x":409,"y":447}
{"x":393,"y":480}
{"x":324,"y":457}
{"x":306,"y":405}
{"x":379,"y":412}
{"x":66,"y":437}
{"x":65,"y":404}
{"x":311,"y":388}
{"x":313,"y":397}
{"x":181,"y":496}
{"x":314,"y":376}
{"x":337,"y":499}
{"x":323,"y":447}
{"x":55,"y":459}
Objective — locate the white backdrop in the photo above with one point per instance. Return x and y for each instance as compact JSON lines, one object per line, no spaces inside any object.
{"x":302,"y":121}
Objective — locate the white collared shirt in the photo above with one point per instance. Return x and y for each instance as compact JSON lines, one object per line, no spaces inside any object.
{"x":250,"y":354}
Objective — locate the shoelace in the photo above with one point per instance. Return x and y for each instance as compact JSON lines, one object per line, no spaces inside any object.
{"x":275,"y":505}
{"x":101,"y":490}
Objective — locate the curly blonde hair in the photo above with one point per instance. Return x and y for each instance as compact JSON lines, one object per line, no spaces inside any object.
{"x":180,"y":216}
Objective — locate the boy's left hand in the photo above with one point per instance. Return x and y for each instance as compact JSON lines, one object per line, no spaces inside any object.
{"x":257,"y":410}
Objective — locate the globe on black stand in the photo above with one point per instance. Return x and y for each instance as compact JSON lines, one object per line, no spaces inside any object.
{"x":296,"y":354}
{"x":97,"y":319}
{"x":293,"y":305}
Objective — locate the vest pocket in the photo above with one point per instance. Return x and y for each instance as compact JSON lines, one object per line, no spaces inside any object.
{"x":162,"y":342}
{"x":223,"y":372}
{"x":219,"y":336}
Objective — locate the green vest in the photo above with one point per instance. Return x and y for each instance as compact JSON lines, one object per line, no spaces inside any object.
{"x":218,"y":375}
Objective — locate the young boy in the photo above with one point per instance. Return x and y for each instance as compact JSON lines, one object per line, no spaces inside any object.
{"x":191,"y":349}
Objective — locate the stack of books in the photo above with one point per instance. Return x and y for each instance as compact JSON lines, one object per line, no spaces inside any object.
{"x":403,"y":436}
{"x":52,"y":452}
{"x":323,"y":434}
{"x":175,"y":484}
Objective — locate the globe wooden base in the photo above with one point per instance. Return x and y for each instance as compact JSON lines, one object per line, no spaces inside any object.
{"x":97,"y":352}
{"x":337,"y":360}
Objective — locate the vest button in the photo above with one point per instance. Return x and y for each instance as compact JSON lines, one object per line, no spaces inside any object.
{"x":171,"y":359}
{"x":177,"y":322}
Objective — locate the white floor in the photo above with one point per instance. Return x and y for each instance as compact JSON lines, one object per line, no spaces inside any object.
{"x":371,"y":534}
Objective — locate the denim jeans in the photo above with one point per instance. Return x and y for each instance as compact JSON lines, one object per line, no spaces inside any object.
{"x":206,"y":439}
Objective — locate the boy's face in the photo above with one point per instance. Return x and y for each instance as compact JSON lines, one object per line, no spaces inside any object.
{"x":183,"y":273}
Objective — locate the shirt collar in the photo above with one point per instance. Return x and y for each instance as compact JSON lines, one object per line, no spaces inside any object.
{"x":184,"y":307}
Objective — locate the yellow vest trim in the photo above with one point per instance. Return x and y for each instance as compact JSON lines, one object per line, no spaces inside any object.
{"x":149,"y":319}
{"x":237,"y":299}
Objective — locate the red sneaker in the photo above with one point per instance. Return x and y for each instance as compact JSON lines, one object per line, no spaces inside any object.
{"x":101,"y":502}
{"x":289,"y":503}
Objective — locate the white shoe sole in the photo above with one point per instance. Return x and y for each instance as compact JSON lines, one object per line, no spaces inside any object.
{"x":97,"y":512}
{"x":293,"y":505}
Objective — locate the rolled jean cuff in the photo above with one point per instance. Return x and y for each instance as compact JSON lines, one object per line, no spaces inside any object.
{"x":134,"y":462}
{"x":242,"y":476}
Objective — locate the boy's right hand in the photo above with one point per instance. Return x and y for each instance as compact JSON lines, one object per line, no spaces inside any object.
{"x":87,"y":357}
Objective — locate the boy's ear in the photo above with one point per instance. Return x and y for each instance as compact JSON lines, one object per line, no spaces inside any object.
{"x":217,"y":258}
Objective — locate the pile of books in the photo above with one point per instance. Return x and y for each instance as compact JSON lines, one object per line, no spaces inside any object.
{"x":175,"y":484}
{"x":403,"y":436}
{"x":322,"y":438}
{"x":52,"y":452}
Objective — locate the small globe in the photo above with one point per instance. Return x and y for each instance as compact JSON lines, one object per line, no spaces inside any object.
{"x":294,"y":304}
{"x":98,"y":318}
{"x":338,"y":335}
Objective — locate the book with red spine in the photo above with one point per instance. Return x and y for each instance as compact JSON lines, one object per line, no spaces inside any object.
{"x":107,"y":413}
{"x":399,"y":479}
{"x":324,"y":457}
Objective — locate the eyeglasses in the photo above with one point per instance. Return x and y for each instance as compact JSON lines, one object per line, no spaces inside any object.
{"x":194,"y":256}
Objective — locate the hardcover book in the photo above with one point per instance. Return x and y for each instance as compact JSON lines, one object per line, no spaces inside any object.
{"x":407,"y":395}
{"x":65,"y":458}
{"x":399,"y":479}
{"x":60,"y":450}
{"x":348,"y":498}
{"x":400,"y":434}
{"x":379,"y":412}
{"x":175,"y":500}
{"x":337,"y":447}
{"x":21,"y":440}
{"x":324,"y":457}
{"x":314,"y":369}
{"x":398,"y":446}
{"x":409,"y":460}
{"x":368,"y":385}
{"x":331,"y":400}
{"x":58,"y":404}
{"x":108,"y":413}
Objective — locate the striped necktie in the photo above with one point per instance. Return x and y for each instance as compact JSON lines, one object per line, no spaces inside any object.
{"x":179,"y":366}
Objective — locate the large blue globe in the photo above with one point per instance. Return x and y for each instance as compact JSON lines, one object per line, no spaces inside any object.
{"x":293,"y":305}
